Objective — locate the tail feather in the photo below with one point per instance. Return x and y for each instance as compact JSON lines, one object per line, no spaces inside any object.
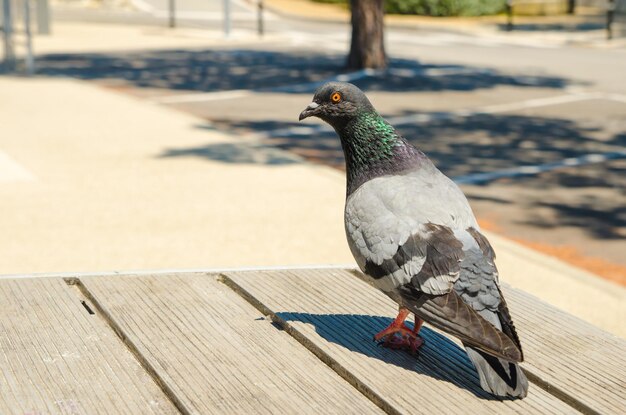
{"x":451,"y":314}
{"x":498,"y":376}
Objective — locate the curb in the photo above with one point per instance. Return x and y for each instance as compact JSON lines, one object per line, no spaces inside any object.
{"x":557,"y":265}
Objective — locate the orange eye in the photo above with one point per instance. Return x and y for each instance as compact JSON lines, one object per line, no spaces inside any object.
{"x":335,"y":97}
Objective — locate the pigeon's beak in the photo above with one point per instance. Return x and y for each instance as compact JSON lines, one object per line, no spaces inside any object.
{"x":309,"y":111}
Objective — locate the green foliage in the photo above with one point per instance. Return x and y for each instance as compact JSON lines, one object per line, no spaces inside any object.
{"x":445,"y":7}
{"x":439,"y":7}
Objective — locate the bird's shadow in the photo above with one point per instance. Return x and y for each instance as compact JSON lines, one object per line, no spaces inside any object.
{"x":439,"y":358}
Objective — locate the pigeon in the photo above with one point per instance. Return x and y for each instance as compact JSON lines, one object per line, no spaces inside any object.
{"x":414,"y":236}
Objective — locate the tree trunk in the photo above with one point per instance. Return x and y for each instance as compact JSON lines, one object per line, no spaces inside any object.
{"x":367,"y":49}
{"x":571,"y":6}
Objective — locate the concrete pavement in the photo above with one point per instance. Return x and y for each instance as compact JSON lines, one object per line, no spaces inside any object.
{"x":80,"y":37}
{"x":103,"y":194}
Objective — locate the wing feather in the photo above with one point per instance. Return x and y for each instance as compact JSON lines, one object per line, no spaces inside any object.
{"x":430,"y":256}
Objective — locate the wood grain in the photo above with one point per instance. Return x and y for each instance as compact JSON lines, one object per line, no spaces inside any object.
{"x":217,"y":353}
{"x":573,"y":356}
{"x":338,"y":314}
{"x":56,"y":358}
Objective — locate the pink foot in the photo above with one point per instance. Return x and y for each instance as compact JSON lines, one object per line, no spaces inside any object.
{"x":398,"y":336}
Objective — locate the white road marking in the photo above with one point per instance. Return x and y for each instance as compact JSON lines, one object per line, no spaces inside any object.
{"x":11,"y":171}
{"x":429,"y":39}
{"x":499,"y":108}
{"x":490,"y":40}
{"x":493,"y":109}
{"x":291,"y":131}
{"x":203,"y":96}
{"x":239,"y":93}
{"x":344,"y":77}
{"x":573,"y":96}
{"x":539,"y":168}
{"x":426,"y":118}
{"x":434,"y":72}
{"x":539,"y":102}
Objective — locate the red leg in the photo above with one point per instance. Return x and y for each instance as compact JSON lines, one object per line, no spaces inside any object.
{"x":416,"y":342}
{"x":399,"y":336}
{"x":418,"y":325}
{"x":396,"y":326}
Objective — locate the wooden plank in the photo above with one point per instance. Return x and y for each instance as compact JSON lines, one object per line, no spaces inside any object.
{"x":574,"y":357}
{"x":337,"y":315}
{"x":216,"y":352}
{"x":56,"y":358}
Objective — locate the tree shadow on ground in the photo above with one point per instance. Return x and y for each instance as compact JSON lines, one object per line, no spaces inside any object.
{"x":590,"y":198}
{"x":595,"y":24}
{"x":595,"y":200}
{"x":439,"y":358}
{"x":599,"y":216}
{"x":458,"y":145}
{"x":262,"y":70}
{"x":237,"y":153}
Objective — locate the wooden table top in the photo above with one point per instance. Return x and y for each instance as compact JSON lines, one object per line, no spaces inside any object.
{"x":289,"y":341}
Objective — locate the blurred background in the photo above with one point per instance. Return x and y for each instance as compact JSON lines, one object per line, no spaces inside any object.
{"x":151,"y":134}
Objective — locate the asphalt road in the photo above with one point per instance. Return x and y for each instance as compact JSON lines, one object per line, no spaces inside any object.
{"x":534,"y":127}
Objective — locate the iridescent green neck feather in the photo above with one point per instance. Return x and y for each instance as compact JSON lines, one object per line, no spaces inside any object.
{"x":373,"y":148}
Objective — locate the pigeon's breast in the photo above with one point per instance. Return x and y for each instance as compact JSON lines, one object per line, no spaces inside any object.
{"x":383,"y":213}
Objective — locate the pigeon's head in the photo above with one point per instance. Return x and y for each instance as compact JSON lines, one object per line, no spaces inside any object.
{"x":336,"y":103}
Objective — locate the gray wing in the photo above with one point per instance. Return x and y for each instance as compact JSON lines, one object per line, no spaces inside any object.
{"x":478,"y":286}
{"x":478,"y":280}
{"x":411,"y":235}
{"x":400,"y":227}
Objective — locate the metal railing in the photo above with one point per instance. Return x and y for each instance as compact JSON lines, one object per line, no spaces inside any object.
{"x":226,"y":7}
{"x":16,"y":29}
{"x":7,"y":36}
{"x":616,"y":19}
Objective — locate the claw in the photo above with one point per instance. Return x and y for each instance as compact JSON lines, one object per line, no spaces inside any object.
{"x":400,"y":337}
{"x":410,"y":343}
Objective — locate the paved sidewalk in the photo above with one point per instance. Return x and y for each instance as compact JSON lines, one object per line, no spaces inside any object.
{"x":102,"y":193}
{"x":80,"y":37}
{"x":88,"y":186}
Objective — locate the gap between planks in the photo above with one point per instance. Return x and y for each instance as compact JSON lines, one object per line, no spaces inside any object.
{"x":310,"y":346}
{"x":378,"y":400}
{"x":145,"y":364}
{"x":302,"y":339}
